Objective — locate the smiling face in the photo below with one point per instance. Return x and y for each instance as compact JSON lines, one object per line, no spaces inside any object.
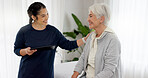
{"x":42,"y":17}
{"x":94,"y":22}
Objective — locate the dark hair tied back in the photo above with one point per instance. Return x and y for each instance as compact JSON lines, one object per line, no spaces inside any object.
{"x":34,"y":9}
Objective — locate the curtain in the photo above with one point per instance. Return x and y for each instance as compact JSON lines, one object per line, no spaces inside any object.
{"x":129,"y":19}
{"x":13,"y":15}
{"x":10,"y":22}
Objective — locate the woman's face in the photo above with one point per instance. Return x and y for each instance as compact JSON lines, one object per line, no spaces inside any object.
{"x":93,"y":21}
{"x":42,"y":17}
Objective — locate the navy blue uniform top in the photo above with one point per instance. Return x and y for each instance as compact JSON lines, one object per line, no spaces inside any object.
{"x":40,"y":64}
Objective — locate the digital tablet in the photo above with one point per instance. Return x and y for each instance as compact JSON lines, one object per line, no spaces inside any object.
{"x":44,"y":48}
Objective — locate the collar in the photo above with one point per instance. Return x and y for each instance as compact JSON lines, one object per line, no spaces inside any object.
{"x":107,"y":29}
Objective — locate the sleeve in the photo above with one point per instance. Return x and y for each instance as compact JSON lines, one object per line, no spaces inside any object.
{"x":112,"y":57}
{"x":64,"y":43}
{"x":81,"y":63}
{"x":19,"y":42}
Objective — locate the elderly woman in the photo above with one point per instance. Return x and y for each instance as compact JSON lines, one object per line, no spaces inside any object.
{"x":101,"y":55}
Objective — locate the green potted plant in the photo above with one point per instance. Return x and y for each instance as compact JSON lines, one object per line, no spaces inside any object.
{"x":82,"y":29}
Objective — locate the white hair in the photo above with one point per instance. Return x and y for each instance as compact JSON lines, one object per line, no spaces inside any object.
{"x":101,"y":9}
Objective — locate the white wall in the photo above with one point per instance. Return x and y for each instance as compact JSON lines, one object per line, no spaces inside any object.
{"x":80,"y":9}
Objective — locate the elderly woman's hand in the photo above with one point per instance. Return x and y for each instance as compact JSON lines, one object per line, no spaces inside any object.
{"x":75,"y":74}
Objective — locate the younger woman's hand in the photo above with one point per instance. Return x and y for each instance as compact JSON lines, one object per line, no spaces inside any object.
{"x":87,"y":36}
{"x":29,"y":51}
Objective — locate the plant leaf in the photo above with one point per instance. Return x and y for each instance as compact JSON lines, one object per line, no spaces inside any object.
{"x":83,"y":30}
{"x":78,"y":22}
{"x":76,"y":32}
{"x":87,"y":28}
{"x":70,"y":34}
{"x":75,"y":59}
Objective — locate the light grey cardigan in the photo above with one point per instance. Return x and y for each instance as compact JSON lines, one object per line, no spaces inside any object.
{"x":107,"y":59}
